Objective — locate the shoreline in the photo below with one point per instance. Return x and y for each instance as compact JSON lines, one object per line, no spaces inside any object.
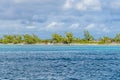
{"x":73,"y":44}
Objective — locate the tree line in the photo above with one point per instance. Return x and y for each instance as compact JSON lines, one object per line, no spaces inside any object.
{"x":58,"y":39}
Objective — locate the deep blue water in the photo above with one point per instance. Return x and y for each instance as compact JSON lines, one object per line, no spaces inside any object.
{"x":33,"y":62}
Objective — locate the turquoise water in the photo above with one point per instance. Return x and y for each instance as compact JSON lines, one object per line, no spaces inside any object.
{"x":34,"y":62}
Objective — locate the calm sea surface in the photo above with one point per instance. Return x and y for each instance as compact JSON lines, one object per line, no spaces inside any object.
{"x":34,"y":62}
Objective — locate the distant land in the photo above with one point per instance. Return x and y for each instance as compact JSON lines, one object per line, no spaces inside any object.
{"x":58,"y":39}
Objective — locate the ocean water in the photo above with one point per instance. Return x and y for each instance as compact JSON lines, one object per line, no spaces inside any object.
{"x":37,"y":62}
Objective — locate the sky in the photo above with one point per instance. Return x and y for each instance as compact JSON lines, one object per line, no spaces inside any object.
{"x":44,"y":17}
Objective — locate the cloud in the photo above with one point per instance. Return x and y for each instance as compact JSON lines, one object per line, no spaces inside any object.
{"x":19,"y":1}
{"x":10,"y":24}
{"x":98,"y":28}
{"x":89,"y":4}
{"x":90,"y":26}
{"x":75,"y":26}
{"x":40,"y":16}
{"x":106,"y":30}
{"x":54,"y":26}
{"x":115,"y":4}
{"x":68,"y":4}
{"x":83,"y":5}
{"x":31,"y":27}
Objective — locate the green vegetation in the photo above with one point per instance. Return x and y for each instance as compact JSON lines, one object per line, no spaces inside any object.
{"x":56,"y":38}
{"x":19,"y":39}
{"x":69,"y":38}
{"x":30,"y":39}
{"x":117,"y":38}
{"x":88,"y":36}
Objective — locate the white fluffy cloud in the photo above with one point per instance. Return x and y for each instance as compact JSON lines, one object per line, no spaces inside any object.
{"x":75,"y":26}
{"x":30,"y":27}
{"x":97,"y":28}
{"x":83,"y":4}
{"x":54,"y":26}
{"x":90,"y":26}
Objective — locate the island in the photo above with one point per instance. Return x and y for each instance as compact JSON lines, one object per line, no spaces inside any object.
{"x":57,"y":39}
